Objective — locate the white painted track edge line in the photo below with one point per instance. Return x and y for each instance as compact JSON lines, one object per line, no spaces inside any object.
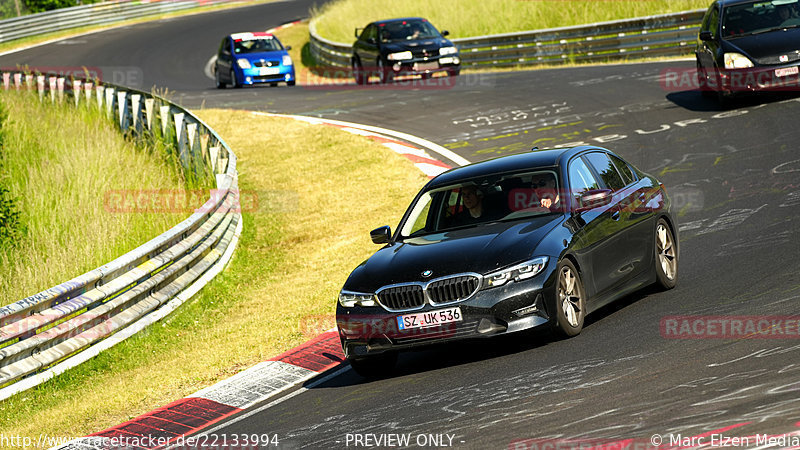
{"x":436,"y":148}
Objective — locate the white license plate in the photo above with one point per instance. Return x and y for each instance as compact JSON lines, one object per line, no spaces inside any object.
{"x":785,"y":72}
{"x":269,"y":70}
{"x":430,"y":318}
{"x":427,"y":66}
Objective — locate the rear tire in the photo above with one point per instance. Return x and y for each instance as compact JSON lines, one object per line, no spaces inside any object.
{"x":358,"y":72}
{"x":377,"y":366}
{"x":217,"y":80}
{"x":666,"y":256}
{"x":570,"y":300}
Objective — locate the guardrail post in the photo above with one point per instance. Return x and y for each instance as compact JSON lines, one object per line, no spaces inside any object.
{"x":52,"y":82}
{"x":87,"y":90}
{"x":164,"y":113}
{"x":136,"y":112}
{"x":17,"y":80}
{"x":28,"y":81}
{"x":6,"y":80}
{"x":149,"y":103}
{"x":77,"y":91}
{"x":180,"y":140}
{"x":60,"y":82}
{"x":122,"y":107}
{"x":99,"y":94}
{"x":40,"y":86}
{"x":110,"y":101}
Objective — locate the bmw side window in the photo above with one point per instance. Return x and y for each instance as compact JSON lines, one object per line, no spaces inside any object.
{"x":580,"y":179}
{"x":623,"y":169}
{"x":606,"y":170}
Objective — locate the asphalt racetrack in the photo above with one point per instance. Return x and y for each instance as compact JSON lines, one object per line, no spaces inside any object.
{"x":733,"y":173}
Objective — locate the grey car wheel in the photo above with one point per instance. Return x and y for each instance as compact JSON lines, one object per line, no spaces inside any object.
{"x":570,"y":300}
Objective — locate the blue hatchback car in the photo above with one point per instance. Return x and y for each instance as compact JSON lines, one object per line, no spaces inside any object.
{"x":250,"y":58}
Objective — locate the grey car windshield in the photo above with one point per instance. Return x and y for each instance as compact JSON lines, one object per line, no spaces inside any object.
{"x":407,"y":30}
{"x":760,"y":17}
{"x":480,"y":201}
{"x":257,"y":45}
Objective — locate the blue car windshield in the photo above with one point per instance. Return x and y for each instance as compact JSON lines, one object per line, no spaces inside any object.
{"x":407,"y":30}
{"x":760,"y":17}
{"x":256,"y":45}
{"x":482,"y":201}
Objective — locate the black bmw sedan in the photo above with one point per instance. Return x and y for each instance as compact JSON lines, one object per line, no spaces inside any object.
{"x":749,"y":46}
{"x":535,"y":239}
{"x":408,"y":46}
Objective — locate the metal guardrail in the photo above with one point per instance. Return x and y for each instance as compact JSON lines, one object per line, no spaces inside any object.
{"x":93,"y":14}
{"x":652,"y":36}
{"x":46,"y":333}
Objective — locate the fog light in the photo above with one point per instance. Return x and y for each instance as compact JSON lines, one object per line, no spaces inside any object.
{"x":248,"y":79}
{"x":396,"y":67}
{"x":525,"y":311}
{"x":287,"y":77}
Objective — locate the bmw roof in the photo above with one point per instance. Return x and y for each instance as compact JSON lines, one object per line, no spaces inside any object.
{"x":511,"y":163}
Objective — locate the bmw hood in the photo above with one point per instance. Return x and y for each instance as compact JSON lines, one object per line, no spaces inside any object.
{"x":763,"y":45}
{"x":482,"y":249}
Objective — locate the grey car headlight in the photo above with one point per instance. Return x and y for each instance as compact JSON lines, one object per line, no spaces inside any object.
{"x":349,"y":299}
{"x":519,"y":272}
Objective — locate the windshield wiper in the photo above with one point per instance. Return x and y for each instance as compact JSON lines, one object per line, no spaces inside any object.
{"x":769,"y":30}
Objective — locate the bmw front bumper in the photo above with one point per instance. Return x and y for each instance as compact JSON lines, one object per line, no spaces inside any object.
{"x":517,"y":306}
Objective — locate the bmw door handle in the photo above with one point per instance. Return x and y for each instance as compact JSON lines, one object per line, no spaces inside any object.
{"x":615,"y":215}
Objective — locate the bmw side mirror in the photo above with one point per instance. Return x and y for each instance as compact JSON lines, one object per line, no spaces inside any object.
{"x":381,"y":235}
{"x":706,"y":36}
{"x":371,"y":40}
{"x":594,"y":199}
{"x":445,"y":33}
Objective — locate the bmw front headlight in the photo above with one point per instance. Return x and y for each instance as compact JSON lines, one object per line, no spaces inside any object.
{"x":737,"y":61}
{"x":519,"y":272}
{"x":243,"y":63}
{"x":349,"y":299}
{"x":287,"y":60}
{"x":399,"y":56}
{"x":448,"y":51}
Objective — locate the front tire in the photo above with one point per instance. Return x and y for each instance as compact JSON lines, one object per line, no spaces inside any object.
{"x":384,"y":73}
{"x":234,"y":81}
{"x":377,"y":366}
{"x":666,"y":256}
{"x":570,"y":300}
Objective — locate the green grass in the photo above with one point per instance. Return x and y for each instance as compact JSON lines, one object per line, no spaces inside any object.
{"x":279,"y":290}
{"x":466,"y":18}
{"x":58,"y":162}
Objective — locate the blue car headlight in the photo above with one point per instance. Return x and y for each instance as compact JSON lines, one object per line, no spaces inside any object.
{"x":243,"y":63}
{"x":519,"y":272}
{"x":286,"y":60}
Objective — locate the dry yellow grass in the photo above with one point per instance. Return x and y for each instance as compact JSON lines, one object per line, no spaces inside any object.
{"x":288,"y":268}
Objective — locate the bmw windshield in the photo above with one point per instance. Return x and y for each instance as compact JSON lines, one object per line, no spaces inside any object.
{"x":760,"y":17}
{"x":481,"y":201}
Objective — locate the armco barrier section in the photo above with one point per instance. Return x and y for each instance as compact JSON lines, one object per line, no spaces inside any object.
{"x":653,"y":36}
{"x":93,"y":14}
{"x":44,"y":334}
